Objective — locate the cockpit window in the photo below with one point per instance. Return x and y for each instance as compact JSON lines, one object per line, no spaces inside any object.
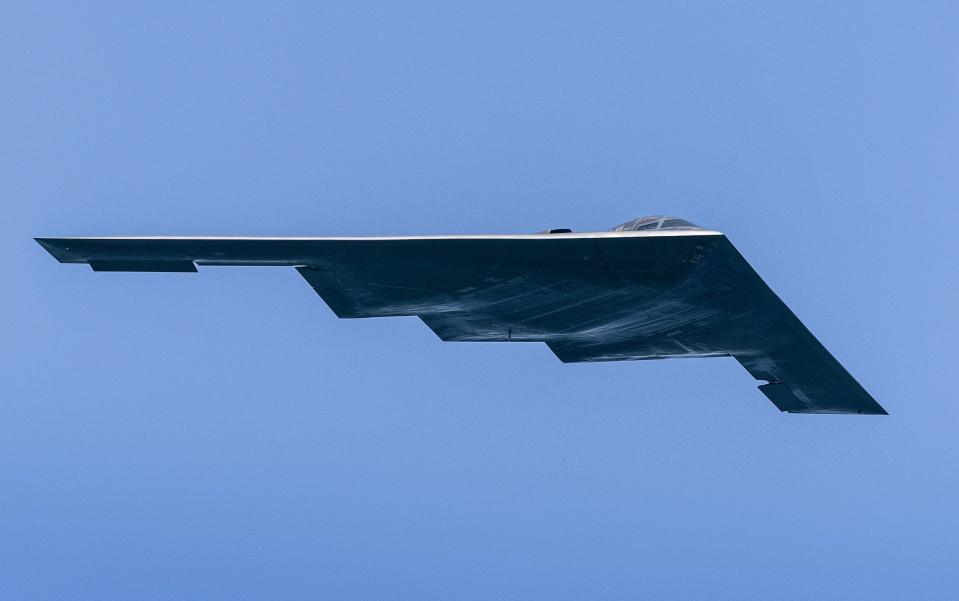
{"x":655,"y":222}
{"x":643,"y":223}
{"x":676,"y":223}
{"x":647,"y":226}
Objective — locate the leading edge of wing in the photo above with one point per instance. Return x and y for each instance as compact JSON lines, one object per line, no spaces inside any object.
{"x":622,"y":234}
{"x":153,"y":252}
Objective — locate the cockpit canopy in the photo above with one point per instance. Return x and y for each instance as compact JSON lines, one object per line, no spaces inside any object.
{"x":655,"y":222}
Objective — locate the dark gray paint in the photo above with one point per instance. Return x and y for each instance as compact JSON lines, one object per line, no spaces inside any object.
{"x":629,"y":295}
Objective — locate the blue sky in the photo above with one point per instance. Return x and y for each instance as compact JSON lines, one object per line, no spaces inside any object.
{"x":223,"y":436}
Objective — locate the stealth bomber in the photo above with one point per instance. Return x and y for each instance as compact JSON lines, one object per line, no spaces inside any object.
{"x":653,"y":288}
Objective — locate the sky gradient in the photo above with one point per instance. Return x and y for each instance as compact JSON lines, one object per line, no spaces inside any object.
{"x":222,"y":435}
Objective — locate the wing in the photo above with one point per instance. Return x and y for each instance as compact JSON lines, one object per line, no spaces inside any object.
{"x":590,"y":297}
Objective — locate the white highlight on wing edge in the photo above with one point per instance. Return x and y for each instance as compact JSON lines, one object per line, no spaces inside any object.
{"x":580,"y":235}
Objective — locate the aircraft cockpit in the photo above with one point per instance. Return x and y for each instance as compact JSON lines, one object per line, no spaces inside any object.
{"x":655,"y":222}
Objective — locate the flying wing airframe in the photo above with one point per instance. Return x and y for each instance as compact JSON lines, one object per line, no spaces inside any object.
{"x":652,"y":288}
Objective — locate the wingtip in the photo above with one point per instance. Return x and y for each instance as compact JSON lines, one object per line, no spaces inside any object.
{"x":61,"y":249}
{"x":49,"y":246}
{"x":873,"y":408}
